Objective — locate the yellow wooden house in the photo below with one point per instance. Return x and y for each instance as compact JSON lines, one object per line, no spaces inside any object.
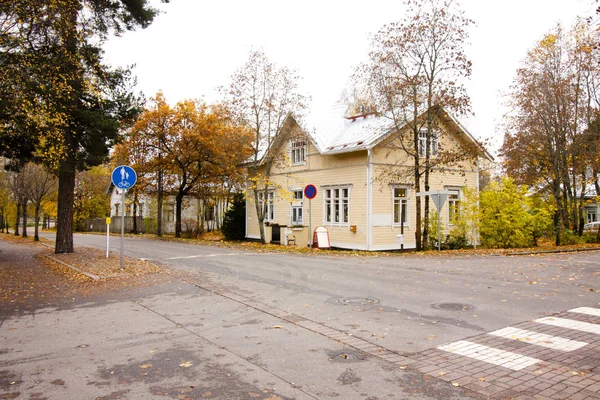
{"x":365,"y":193}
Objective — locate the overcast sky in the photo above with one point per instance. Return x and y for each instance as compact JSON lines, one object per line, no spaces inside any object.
{"x":194,"y":46}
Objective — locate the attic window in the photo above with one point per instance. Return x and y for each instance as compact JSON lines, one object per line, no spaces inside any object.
{"x":298,"y":151}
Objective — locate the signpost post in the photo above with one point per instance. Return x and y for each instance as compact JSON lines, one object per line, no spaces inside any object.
{"x":107,"y":234}
{"x":439,"y":198}
{"x":310,"y":192}
{"x":123,"y":177}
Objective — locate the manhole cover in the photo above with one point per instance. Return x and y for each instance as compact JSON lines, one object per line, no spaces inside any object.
{"x":346,"y":356}
{"x":453,"y":306}
{"x":358,"y":300}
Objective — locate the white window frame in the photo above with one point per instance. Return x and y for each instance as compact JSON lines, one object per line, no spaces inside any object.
{"x":336,"y":199}
{"x":589,"y":212}
{"x":270,"y":211}
{"x":434,"y":144}
{"x":396,"y":201}
{"x":298,"y":151}
{"x":296,"y":208}
{"x":454,"y":204}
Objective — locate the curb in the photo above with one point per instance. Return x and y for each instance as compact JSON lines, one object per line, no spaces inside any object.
{"x":526,"y":253}
{"x":92,"y":276}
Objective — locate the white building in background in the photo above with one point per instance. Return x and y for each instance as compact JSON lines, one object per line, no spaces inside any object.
{"x":193,"y":212}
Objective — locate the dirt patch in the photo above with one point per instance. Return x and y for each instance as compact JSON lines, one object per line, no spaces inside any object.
{"x":95,"y":262}
{"x":29,"y":280}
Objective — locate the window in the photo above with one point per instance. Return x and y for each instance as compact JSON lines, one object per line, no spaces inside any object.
{"x":453,"y":206}
{"x":168,"y":212}
{"x":401,"y":212}
{"x":297,"y":210}
{"x":591,"y":215}
{"x":337,"y":205}
{"x":297,"y":215}
{"x":117,"y":209}
{"x":433,"y":144}
{"x":298,"y":155}
{"x":268,"y":205}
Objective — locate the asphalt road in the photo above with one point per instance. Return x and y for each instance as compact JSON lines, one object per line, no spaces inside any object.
{"x":299,"y":322}
{"x":407,"y":303}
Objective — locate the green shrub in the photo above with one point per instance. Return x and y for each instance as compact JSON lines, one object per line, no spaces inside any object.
{"x":568,"y":237}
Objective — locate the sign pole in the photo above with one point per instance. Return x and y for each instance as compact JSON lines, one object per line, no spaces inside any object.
{"x":122,"y":230}
{"x":310,"y":238}
{"x":310,"y":191}
{"x":107,"y":235}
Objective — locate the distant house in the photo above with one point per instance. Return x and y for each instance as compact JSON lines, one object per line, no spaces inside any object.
{"x":194,"y":213}
{"x":360,"y":206}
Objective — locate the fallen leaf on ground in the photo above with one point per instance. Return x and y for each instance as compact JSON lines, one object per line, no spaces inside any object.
{"x":186,"y":364}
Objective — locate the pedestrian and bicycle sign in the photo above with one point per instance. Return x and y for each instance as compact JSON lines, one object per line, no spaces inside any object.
{"x":123,"y":177}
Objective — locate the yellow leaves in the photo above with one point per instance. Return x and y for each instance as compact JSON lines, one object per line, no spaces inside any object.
{"x":549,"y":40}
{"x":145,"y":366}
{"x":186,"y":364}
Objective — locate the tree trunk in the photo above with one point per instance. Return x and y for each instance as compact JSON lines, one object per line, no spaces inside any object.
{"x":18,"y":214}
{"x":178,"y":203}
{"x":66,"y":190}
{"x":24,"y":206}
{"x":558,"y":214}
{"x":260,"y":215}
{"x":36,"y":236}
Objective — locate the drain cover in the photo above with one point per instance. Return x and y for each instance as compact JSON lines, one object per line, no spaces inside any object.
{"x":358,"y":300}
{"x":346,"y":356}
{"x":453,"y":306}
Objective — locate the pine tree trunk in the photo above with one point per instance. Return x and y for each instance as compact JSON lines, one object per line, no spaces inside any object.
{"x":66,"y":190}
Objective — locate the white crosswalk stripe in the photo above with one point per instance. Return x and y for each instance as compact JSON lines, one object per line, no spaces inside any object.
{"x":587,"y":310}
{"x":516,"y":361}
{"x":539,"y":339}
{"x":506,"y":359}
{"x":570,"y":324}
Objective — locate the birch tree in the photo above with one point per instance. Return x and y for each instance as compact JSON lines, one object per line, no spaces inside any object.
{"x":261,"y":95}
{"x":415,"y":67}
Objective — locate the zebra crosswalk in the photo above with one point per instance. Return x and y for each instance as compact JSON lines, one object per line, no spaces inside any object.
{"x":535,"y":337}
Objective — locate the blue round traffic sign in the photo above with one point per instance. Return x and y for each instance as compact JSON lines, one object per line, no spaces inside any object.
{"x":123,"y":177}
{"x":310,"y":191}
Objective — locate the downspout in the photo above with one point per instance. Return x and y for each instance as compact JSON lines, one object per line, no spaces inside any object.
{"x":369,"y":198}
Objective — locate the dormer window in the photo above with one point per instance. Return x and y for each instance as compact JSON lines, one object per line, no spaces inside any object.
{"x":298,"y":155}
